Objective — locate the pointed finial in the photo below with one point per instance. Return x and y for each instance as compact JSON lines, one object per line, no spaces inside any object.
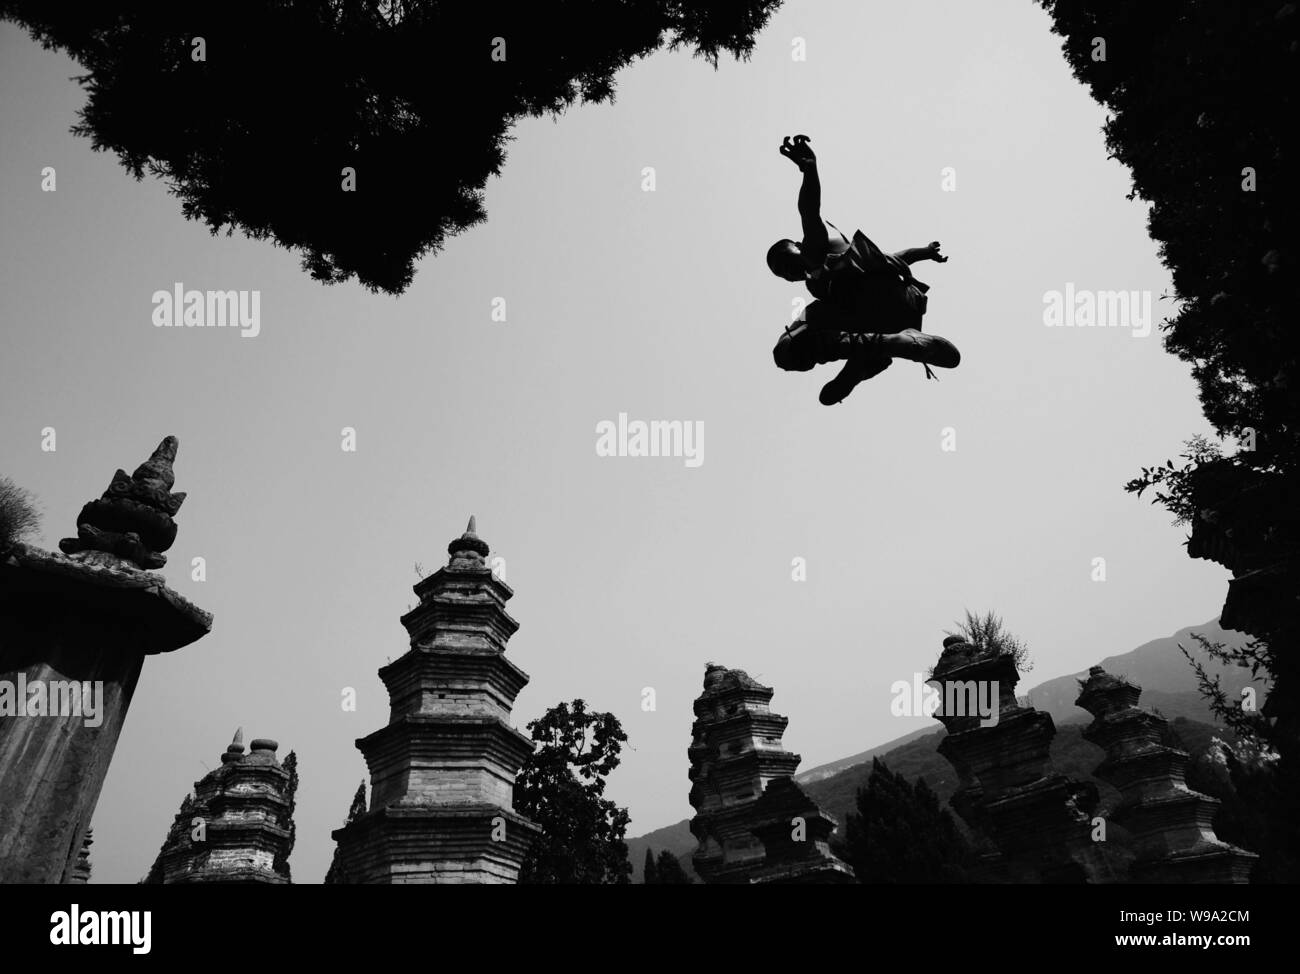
{"x":159,"y":465}
{"x":236,"y":749}
{"x":133,"y":519}
{"x":469,"y":542}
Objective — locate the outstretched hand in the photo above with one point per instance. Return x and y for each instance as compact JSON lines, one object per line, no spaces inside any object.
{"x":797,"y":150}
{"x":935,"y":255}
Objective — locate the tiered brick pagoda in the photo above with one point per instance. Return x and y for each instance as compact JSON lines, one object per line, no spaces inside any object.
{"x":237,"y":827}
{"x":1039,"y":820}
{"x":75,"y":628}
{"x":442,"y":771}
{"x":1171,"y":825}
{"x":748,"y":808}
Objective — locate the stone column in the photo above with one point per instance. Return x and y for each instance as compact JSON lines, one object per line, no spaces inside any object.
{"x":75,"y":628}
{"x":1038,"y":819}
{"x":1172,"y":826}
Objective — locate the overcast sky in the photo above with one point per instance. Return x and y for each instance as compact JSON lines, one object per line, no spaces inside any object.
{"x":629,"y":572}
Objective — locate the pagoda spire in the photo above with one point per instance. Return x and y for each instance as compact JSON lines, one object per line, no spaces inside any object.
{"x":247,"y":809}
{"x":469,"y":543}
{"x":442,"y":771}
{"x":236,"y":748}
{"x":133,"y":523}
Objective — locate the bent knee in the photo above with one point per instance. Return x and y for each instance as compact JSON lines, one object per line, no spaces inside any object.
{"x":786,"y":356}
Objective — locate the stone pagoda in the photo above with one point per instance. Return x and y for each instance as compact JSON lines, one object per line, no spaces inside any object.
{"x":1171,"y":825}
{"x":1039,"y":820}
{"x":442,"y":771}
{"x":752,"y":822}
{"x":796,"y":836}
{"x":237,"y":826}
{"x":80,"y":873}
{"x":75,"y":628}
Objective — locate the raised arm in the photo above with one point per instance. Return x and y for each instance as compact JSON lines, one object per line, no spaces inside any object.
{"x":913,"y":254}
{"x":815,"y":240}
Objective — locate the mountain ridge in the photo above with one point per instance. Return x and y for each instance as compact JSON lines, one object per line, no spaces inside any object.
{"x":1158,"y":666}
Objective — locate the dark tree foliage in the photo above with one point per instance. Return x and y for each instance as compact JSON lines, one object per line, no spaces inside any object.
{"x":1249,"y":726}
{"x":901,"y":834}
{"x":670,"y":871}
{"x":664,"y":871}
{"x":1199,"y":94}
{"x":651,"y":871}
{"x":1198,"y":91}
{"x":255,"y":136}
{"x":561,"y":787}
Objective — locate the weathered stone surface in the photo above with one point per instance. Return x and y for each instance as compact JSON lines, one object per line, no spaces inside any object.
{"x":1039,"y":820}
{"x":38,"y":588}
{"x":743,"y":794}
{"x":237,"y":826}
{"x":91,"y":616}
{"x":133,"y":520}
{"x":1170,"y":824}
{"x":403,"y":843}
{"x":442,"y":770}
{"x":79,"y":872}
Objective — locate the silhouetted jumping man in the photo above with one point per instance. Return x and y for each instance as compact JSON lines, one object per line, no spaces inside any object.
{"x":869,"y":306}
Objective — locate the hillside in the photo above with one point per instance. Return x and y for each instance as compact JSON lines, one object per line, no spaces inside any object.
{"x":1160,"y":669}
{"x":823,"y":771}
{"x":1169,"y":686}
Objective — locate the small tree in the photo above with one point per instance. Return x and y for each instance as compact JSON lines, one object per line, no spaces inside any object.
{"x":561,"y":787}
{"x":987,"y":634}
{"x":670,"y":870}
{"x":651,"y":873}
{"x":1252,"y":727}
{"x":20,"y":518}
{"x":901,"y":834}
{"x":1172,"y":484}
